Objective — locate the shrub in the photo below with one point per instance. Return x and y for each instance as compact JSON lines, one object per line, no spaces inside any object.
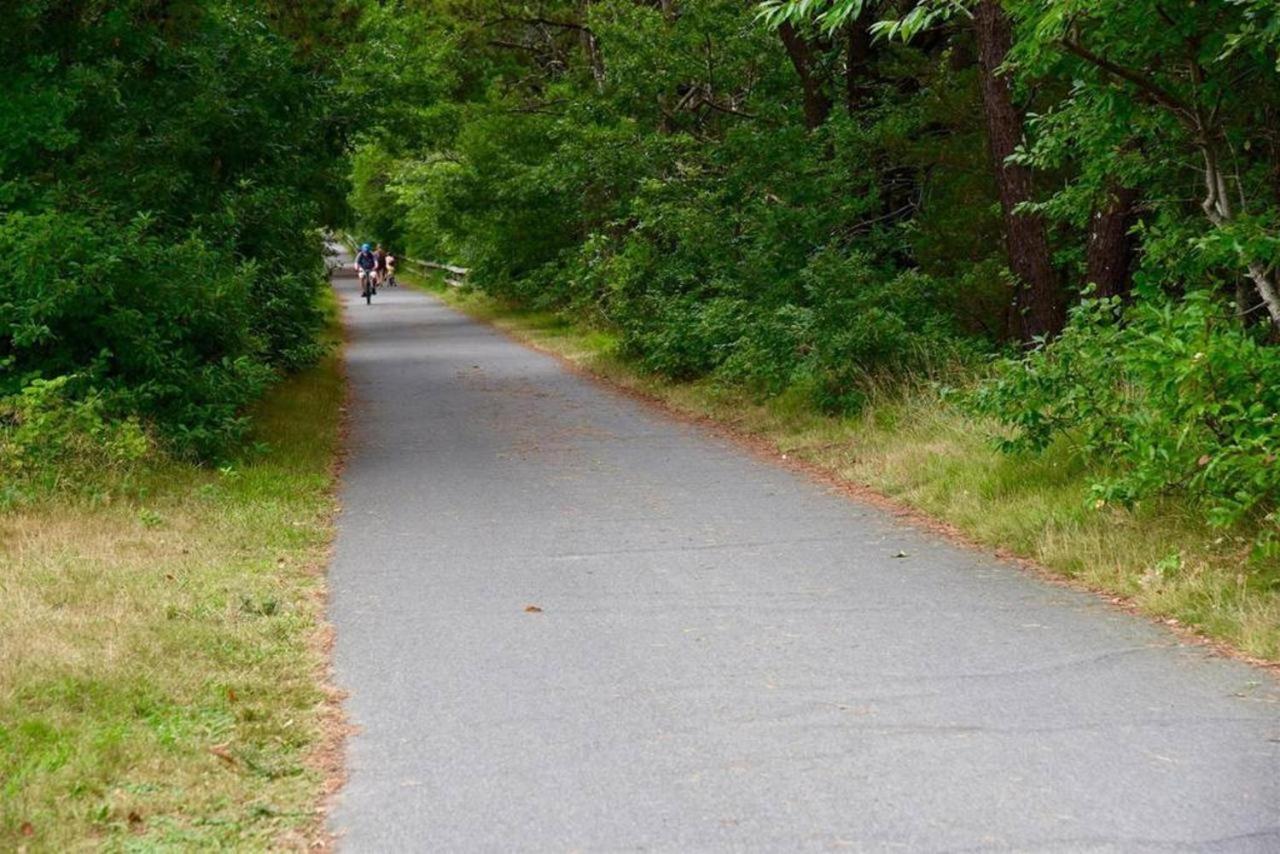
{"x":168,"y":332}
{"x":869,"y":325}
{"x":1166,"y":396}
{"x":49,"y":441}
{"x":159,"y":256}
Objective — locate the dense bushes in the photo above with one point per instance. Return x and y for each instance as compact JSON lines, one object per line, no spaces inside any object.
{"x":51,"y":442}
{"x":1166,"y":395}
{"x":162,"y":170}
{"x":145,"y":325}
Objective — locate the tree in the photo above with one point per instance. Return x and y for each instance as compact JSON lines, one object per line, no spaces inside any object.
{"x":1109,"y":255}
{"x":1038,"y":306}
{"x":1038,"y":309}
{"x":1190,"y":81}
{"x":817,"y":103}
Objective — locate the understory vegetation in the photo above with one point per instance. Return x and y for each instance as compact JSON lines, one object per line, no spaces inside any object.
{"x":170,"y":391}
{"x":162,"y":659}
{"x":164,"y":171}
{"x":1052,"y":222}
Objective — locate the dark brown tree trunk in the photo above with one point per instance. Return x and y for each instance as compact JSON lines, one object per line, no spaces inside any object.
{"x":1038,"y":306}
{"x":858,"y":66}
{"x":817,"y":104}
{"x":1109,"y":256}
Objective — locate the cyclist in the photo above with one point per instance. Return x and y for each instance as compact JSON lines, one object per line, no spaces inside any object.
{"x":380,"y":255}
{"x":366,"y":265}
{"x":391,"y":270}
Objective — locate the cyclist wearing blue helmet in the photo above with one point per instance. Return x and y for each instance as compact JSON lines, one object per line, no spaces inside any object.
{"x":366,"y":263}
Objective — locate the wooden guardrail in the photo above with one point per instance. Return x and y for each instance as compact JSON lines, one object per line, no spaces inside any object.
{"x":455,"y":276}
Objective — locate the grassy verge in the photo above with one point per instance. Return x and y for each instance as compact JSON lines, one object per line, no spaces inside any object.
{"x":924,"y":453}
{"x":162,"y":655}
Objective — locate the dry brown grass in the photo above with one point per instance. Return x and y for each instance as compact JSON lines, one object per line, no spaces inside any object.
{"x":161,"y":654}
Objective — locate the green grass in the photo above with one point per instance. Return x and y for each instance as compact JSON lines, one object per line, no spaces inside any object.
{"x":921,"y":451}
{"x":162,"y":654}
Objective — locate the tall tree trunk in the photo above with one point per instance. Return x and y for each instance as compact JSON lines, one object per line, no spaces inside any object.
{"x":1208,"y":133}
{"x":591,"y":47}
{"x":1109,"y":256}
{"x":858,"y":64}
{"x":817,"y":104}
{"x":1217,"y":207}
{"x":1038,"y":306}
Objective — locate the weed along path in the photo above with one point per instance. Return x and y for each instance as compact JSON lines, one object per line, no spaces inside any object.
{"x":566,"y":622}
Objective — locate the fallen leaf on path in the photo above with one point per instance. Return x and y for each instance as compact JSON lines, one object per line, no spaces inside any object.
{"x":220,"y":751}
{"x":532,"y":609}
{"x":900,"y":554}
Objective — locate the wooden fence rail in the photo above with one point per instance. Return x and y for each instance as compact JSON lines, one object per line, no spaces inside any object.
{"x":457,"y":276}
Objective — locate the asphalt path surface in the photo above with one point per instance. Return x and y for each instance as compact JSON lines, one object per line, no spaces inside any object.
{"x":727,"y":656}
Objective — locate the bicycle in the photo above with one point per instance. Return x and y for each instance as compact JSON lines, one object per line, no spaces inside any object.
{"x":367,"y":286}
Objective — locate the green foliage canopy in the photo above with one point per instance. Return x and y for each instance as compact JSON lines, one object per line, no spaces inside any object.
{"x":801,"y":195}
{"x":163,"y":172}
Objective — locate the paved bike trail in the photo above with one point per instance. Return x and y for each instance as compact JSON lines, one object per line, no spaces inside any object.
{"x":727,"y":656}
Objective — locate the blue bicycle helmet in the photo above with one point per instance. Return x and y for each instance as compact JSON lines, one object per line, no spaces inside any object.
{"x":365,"y":247}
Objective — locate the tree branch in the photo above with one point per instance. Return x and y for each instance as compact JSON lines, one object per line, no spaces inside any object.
{"x":1161,"y":95}
{"x":545,"y":22}
{"x":726,"y":109}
